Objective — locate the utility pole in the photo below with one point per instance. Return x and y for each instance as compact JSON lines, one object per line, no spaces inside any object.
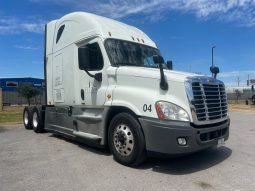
{"x":238,"y":81}
{"x":212,"y":57}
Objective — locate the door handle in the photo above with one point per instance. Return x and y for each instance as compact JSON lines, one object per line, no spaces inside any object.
{"x":82,"y":94}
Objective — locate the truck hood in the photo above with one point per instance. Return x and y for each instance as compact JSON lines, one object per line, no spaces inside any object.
{"x":154,"y":73}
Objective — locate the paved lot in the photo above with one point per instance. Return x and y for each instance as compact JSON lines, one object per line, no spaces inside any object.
{"x":37,"y":162}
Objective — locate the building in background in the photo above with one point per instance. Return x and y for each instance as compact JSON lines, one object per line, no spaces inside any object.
{"x":12,"y":97}
{"x":245,"y":92}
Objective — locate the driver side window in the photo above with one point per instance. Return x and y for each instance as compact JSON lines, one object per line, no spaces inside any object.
{"x":90,"y":57}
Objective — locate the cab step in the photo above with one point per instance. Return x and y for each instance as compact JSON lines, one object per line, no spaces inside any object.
{"x":88,"y":136}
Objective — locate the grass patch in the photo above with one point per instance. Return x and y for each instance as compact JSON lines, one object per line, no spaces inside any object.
{"x":14,"y":114}
{"x":10,"y":117}
{"x":11,"y":114}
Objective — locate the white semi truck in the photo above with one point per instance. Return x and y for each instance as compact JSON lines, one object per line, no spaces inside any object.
{"x":107,"y":85}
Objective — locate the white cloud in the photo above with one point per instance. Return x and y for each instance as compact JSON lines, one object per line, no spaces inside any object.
{"x":233,"y":78}
{"x":32,"y":27}
{"x":26,"y":47}
{"x":240,"y":11}
{"x":13,"y":25}
{"x":244,"y":73}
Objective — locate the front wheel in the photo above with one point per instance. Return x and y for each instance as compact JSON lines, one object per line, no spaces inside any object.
{"x":126,"y":140}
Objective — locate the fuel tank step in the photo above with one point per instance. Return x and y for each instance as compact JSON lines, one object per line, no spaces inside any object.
{"x":89,"y":136}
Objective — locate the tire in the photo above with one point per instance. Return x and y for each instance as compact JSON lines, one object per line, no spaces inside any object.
{"x":37,"y":121}
{"x":27,"y":118}
{"x":126,"y":140}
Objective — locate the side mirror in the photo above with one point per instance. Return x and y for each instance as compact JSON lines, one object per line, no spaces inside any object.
{"x":83,"y":53}
{"x":98,"y":77}
{"x":214,"y":70}
{"x":158,"y":59}
{"x":169,"y":64}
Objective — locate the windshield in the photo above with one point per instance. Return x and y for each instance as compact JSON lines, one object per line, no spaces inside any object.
{"x":125,"y":53}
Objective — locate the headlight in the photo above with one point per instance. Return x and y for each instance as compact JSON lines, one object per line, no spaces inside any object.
{"x":171,"y":111}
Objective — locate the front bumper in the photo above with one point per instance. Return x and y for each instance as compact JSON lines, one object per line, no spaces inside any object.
{"x":161,"y":136}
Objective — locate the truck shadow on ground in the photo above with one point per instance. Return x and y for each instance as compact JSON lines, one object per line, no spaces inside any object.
{"x":188,"y":164}
{"x":83,"y":145}
{"x":175,"y":166}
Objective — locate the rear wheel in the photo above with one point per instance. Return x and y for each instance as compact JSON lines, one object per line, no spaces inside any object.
{"x":27,"y":118}
{"x":126,"y":140}
{"x":37,"y":122}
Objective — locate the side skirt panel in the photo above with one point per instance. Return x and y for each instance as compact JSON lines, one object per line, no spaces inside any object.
{"x":80,"y":122}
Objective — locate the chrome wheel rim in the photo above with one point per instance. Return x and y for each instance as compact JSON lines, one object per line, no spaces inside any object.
{"x":26,"y":117}
{"x":35,"y":119}
{"x":123,"y":140}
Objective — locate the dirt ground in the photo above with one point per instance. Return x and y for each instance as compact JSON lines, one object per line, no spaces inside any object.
{"x":240,"y":106}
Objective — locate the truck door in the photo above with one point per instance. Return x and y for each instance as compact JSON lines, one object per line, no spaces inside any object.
{"x":91,"y":62}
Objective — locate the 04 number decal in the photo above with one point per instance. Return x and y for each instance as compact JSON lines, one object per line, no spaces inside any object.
{"x":147,"y":108}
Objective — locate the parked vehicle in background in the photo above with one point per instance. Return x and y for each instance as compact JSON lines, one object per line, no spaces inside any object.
{"x":251,"y":83}
{"x":253,"y":94}
{"x":108,"y":85}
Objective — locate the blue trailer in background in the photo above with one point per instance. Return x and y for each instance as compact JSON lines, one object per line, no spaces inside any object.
{"x":11,"y":95}
{"x":11,"y":84}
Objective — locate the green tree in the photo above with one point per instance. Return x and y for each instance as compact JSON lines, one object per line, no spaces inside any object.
{"x":238,"y":93}
{"x":28,"y":91}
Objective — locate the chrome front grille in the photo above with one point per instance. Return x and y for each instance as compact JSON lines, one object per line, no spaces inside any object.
{"x":209,"y":100}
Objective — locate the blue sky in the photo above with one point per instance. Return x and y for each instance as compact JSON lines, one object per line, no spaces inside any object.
{"x":184,"y":31}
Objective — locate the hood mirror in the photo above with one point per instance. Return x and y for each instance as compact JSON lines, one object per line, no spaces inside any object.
{"x":160,"y":61}
{"x":214,"y":70}
{"x":169,"y":64}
